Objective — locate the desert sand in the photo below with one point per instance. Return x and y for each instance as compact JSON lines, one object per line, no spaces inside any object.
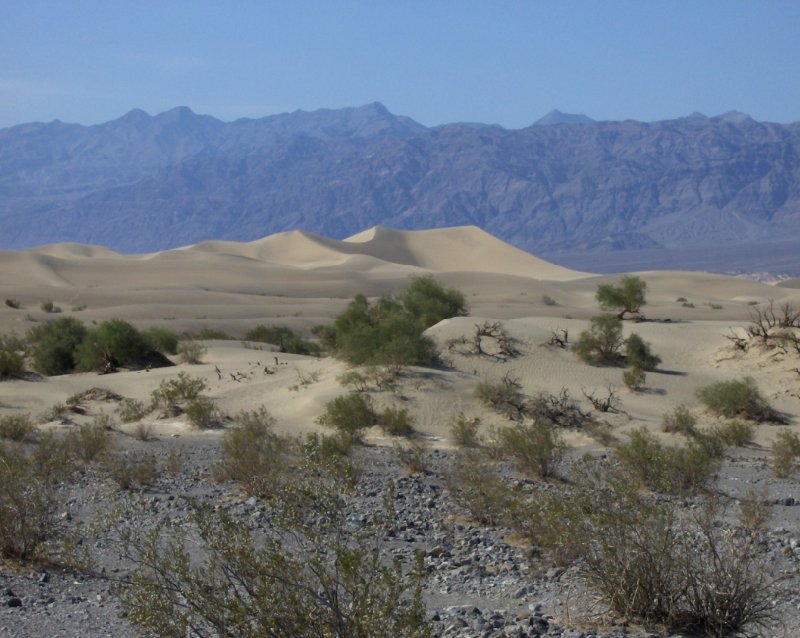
{"x":301,"y":280}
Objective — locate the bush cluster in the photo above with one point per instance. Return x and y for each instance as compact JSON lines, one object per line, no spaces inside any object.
{"x":65,"y":344}
{"x":738,"y":398}
{"x":603,"y":344}
{"x":390,"y":330}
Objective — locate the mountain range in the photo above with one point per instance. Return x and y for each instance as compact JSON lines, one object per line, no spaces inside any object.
{"x":565,"y":184}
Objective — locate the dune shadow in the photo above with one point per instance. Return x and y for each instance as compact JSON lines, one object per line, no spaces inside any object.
{"x":656,"y":391}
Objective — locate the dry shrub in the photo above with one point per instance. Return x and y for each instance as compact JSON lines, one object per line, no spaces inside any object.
{"x":535,"y":448}
{"x":785,"y":453}
{"x":679,"y":420}
{"x":191,"y":351}
{"x":464,"y":431}
{"x":397,"y":422}
{"x":17,"y":427}
{"x":132,"y":470}
{"x":130,"y":410}
{"x":90,"y":441}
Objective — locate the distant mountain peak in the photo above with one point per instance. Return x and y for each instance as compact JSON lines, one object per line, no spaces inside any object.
{"x":734,"y":117}
{"x":557,"y":117}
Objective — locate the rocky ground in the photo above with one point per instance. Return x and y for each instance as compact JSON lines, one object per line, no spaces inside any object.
{"x":480,"y":581}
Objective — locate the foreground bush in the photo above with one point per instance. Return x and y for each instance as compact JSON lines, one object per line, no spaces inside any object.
{"x":303,"y":576}
{"x":27,"y":504}
{"x":739,"y":398}
{"x":601,"y":343}
{"x":17,"y":427}
{"x":785,"y":453}
{"x":12,"y":361}
{"x":536,"y":448}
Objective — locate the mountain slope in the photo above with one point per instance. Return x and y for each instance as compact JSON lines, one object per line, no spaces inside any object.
{"x":143,"y":183}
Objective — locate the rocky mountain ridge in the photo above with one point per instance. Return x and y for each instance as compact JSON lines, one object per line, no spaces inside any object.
{"x":142,"y":183}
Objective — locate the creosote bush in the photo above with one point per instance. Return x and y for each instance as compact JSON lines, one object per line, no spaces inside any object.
{"x":91,"y":441}
{"x":536,"y":448}
{"x":679,"y":420}
{"x":634,"y":378}
{"x":785,"y":453}
{"x":349,"y":413}
{"x":464,"y":431}
{"x":397,"y":422}
{"x":191,"y":351}
{"x":130,"y":410}
{"x":178,"y":390}
{"x":17,"y":427}
{"x":739,"y":398}
{"x":202,"y":412}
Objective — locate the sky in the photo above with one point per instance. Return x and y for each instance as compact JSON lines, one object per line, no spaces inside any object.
{"x":497,"y":61}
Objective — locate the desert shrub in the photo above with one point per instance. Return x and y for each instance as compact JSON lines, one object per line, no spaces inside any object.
{"x":207,"y":334}
{"x":349,"y":413}
{"x":672,"y":470}
{"x":162,"y":340}
{"x":202,"y":412}
{"x":90,"y":442}
{"x":53,"y":345}
{"x":57,"y":412}
{"x":691,"y":577}
{"x":130,"y":410}
{"x":178,"y":390}
{"x":13,"y":303}
{"x":754,"y":509}
{"x":429,"y":302}
{"x":601,"y":343}
{"x":464,"y":431}
{"x":412,"y":457}
{"x":27,"y":504}
{"x":285,"y":338}
{"x":476,"y":486}
{"x":785,"y":453}
{"x":191,"y":351}
{"x":505,"y":396}
{"x":115,"y":342}
{"x":131,"y":470}
{"x":639,"y":355}
{"x":389,"y":331}
{"x":634,"y":378}
{"x":739,"y":398}
{"x":628,"y":296}
{"x":17,"y":427}
{"x":397,"y":422}
{"x":12,"y":361}
{"x":737,"y":433}
{"x":679,"y":420}
{"x":50,"y":307}
{"x":253,"y":454}
{"x":547,"y":300}
{"x":356,"y":379}
{"x":143,"y":431}
{"x":536,"y":448}
{"x":307,"y":573}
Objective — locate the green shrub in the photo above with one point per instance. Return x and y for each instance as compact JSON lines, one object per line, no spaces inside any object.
{"x":202,"y":412}
{"x":639,"y":355}
{"x":355,"y":379}
{"x":13,"y":303}
{"x":680,"y":420}
{"x":113,"y":342}
{"x":602,"y":342}
{"x":130,"y":410}
{"x":429,"y":302}
{"x":132,"y":470}
{"x":672,"y":470}
{"x":91,"y":441}
{"x":628,"y":296}
{"x":536,"y":448}
{"x":785,"y":453}
{"x":737,"y":433}
{"x":178,"y":390}
{"x":349,"y":413}
{"x":50,"y":307}
{"x":191,"y":351}
{"x":253,"y":454}
{"x":397,"y":422}
{"x":12,"y":361}
{"x":464,"y":431}
{"x":53,"y":345}
{"x":162,"y":340}
{"x":27,"y":504}
{"x":634,"y":378}
{"x":284,"y":338}
{"x":475,"y":486}
{"x":739,"y":398}
{"x":17,"y":427}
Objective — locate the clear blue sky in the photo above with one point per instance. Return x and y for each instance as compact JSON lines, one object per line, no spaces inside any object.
{"x":494,"y":61}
